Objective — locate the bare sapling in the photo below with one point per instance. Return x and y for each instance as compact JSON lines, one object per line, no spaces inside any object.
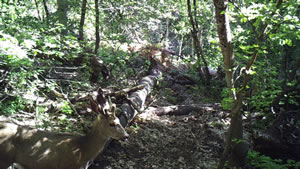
{"x":35,"y":149}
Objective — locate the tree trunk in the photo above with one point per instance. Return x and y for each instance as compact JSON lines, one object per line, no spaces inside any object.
{"x":97,"y":27}
{"x":62,"y":13}
{"x":238,"y":149}
{"x":196,"y":41}
{"x":37,"y":8}
{"x":96,"y":64}
{"x":46,"y":11}
{"x":225,"y":37}
{"x":82,"y":19}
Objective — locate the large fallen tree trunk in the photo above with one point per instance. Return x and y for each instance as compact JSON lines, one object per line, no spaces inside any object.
{"x":138,"y":98}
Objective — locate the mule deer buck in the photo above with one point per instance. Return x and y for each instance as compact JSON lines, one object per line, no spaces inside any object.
{"x":36,"y":149}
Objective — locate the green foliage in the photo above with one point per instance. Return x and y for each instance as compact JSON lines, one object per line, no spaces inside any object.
{"x":117,"y":61}
{"x":66,"y":108}
{"x":11,"y":53}
{"x":52,"y":44}
{"x":207,"y":32}
{"x":13,"y":106}
{"x":134,"y":127}
{"x":20,"y":77}
{"x":227,"y":100}
{"x":275,"y":49}
{"x":265,"y":92}
{"x":261,"y":161}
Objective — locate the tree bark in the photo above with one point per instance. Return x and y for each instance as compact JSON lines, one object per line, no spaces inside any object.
{"x":46,"y":11}
{"x":226,"y":44}
{"x":138,"y":98}
{"x":82,"y":19}
{"x":97,"y":27}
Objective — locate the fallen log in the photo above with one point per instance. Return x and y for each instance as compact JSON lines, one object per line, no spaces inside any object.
{"x":138,"y":98}
{"x":180,"y":109}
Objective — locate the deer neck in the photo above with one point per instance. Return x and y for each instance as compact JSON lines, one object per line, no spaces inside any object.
{"x":92,"y":143}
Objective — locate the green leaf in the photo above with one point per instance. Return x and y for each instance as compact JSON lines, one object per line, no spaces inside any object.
{"x":213,"y":41}
{"x":244,"y":20}
{"x":288,"y":42}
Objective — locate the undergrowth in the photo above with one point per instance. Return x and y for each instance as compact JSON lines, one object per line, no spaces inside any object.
{"x":259,"y":161}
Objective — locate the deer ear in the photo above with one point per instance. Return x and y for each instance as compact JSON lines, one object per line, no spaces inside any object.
{"x":112,"y":109}
{"x":101,"y":97}
{"x":95,"y":107}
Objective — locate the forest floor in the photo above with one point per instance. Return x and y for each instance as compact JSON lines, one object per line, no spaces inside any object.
{"x":187,"y":141}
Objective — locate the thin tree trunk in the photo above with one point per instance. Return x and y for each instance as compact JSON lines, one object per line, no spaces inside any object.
{"x":96,"y":64}
{"x":196,"y":41}
{"x":206,"y":70}
{"x":180,"y":47}
{"x":37,"y":8}
{"x":82,"y":19}
{"x":46,"y":11}
{"x":97,"y":27}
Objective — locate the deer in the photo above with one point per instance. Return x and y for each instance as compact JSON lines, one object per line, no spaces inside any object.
{"x":31,"y":148}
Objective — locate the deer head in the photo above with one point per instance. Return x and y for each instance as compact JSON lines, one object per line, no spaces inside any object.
{"x":107,"y":118}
